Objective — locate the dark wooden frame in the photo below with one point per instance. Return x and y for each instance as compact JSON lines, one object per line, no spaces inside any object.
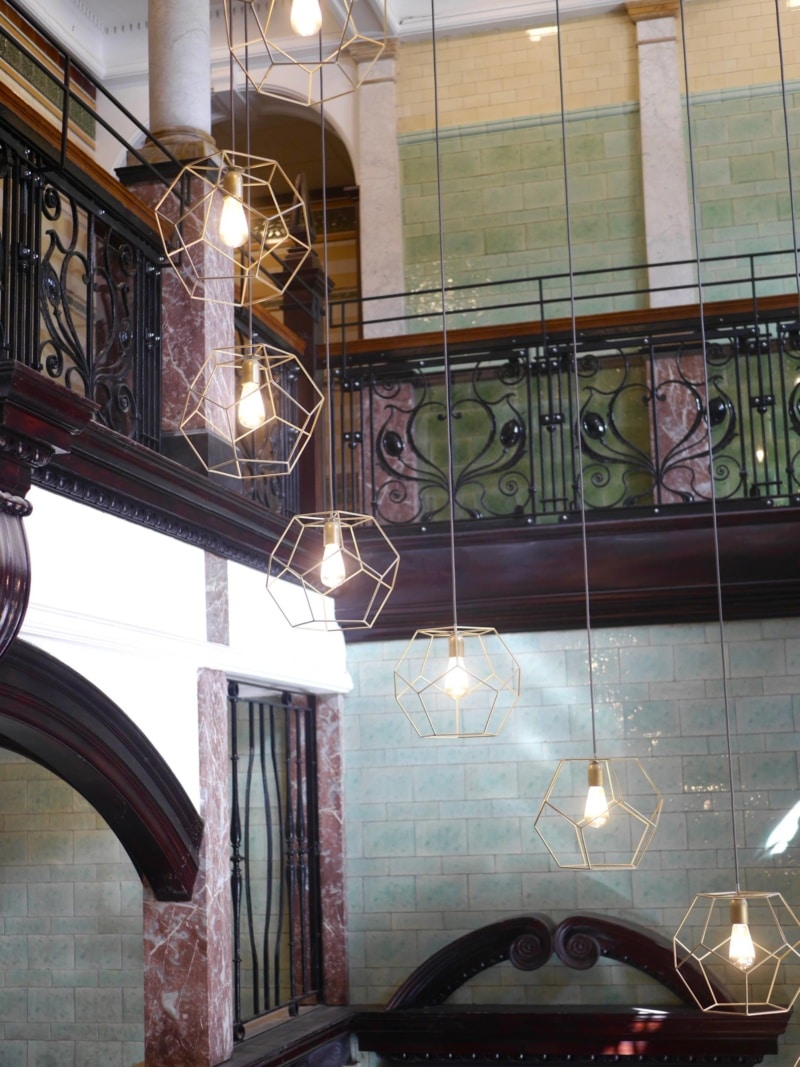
{"x":418,"y":1025}
{"x":52,"y":715}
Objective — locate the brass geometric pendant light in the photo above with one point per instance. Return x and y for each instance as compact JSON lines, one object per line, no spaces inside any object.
{"x":306,"y":50}
{"x":257,"y":405}
{"x":454,"y":681}
{"x":459,"y":681}
{"x":746,"y":943}
{"x":235,"y":228}
{"x":597,"y":813}
{"x":341,"y":568}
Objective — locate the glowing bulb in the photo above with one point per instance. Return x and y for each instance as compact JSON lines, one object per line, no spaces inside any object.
{"x":232,"y":221}
{"x":741,"y":950}
{"x":306,"y":17}
{"x":595,"y":811}
{"x":760,"y":454}
{"x":332,"y":570}
{"x":251,"y":409}
{"x":456,"y":678}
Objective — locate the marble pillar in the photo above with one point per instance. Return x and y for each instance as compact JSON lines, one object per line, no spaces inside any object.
{"x":179,"y":76}
{"x":330,"y":779}
{"x":380,"y":208}
{"x":188,"y":948}
{"x":668,"y":218}
{"x":191,"y":330}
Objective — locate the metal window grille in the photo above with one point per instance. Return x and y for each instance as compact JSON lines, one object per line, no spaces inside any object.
{"x":274,"y":854}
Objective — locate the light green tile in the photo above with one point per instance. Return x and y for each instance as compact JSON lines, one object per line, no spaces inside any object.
{"x":387,"y":838}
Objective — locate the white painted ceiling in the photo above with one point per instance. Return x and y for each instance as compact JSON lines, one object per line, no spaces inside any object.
{"x":110,"y":36}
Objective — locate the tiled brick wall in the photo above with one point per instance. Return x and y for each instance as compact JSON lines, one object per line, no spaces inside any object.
{"x":440,"y":834}
{"x":503,"y":196}
{"x":70,"y":929}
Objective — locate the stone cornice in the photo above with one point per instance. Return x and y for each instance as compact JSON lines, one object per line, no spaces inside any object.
{"x":645,"y":10}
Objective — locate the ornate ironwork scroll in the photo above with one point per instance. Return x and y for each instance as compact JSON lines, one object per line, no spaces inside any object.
{"x":644,"y":411}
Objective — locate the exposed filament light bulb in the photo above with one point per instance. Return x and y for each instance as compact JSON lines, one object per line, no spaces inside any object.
{"x":741,"y":950}
{"x":332,"y":571}
{"x":306,"y":17}
{"x":456,"y":679}
{"x":595,"y":811}
{"x":233,"y":221}
{"x":251,"y":409}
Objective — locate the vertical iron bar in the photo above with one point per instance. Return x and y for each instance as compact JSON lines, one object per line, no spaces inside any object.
{"x":314,"y":891}
{"x":291,"y":843}
{"x":302,"y":850}
{"x":281,"y":847}
{"x":658,"y":484}
{"x":236,"y":862}
{"x":248,"y":869}
{"x":270,"y":995}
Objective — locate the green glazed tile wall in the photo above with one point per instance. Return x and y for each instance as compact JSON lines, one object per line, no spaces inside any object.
{"x":440,"y":836}
{"x":742,"y":174}
{"x":503,"y":207}
{"x":504,"y":218}
{"x":71,"y":969}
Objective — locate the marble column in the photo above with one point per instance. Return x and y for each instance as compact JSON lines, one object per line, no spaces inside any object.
{"x":188,"y":947}
{"x":380,"y":208}
{"x":668,"y":219}
{"x":179,"y":76}
{"x":330,"y":780}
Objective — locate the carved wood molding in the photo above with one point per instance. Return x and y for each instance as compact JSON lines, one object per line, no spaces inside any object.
{"x":51,"y":714}
{"x":529,"y":941}
{"x":416,"y":1026}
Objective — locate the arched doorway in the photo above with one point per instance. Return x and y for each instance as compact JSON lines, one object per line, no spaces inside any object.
{"x":88,"y":810}
{"x":52,"y":715}
{"x":292,"y":135}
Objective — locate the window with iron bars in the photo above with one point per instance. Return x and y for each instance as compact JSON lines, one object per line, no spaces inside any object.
{"x":274,"y":853}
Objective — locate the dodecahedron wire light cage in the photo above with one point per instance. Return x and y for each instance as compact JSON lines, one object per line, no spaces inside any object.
{"x":457,"y":681}
{"x":329,"y":59}
{"x":614,"y":836}
{"x":274,"y":217}
{"x":766,"y":979}
{"x":258,"y":405}
{"x":332,"y":570}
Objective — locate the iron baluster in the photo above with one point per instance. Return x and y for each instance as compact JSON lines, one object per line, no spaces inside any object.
{"x":236,"y":863}
{"x":282,"y":845}
{"x":269,"y":995}
{"x":248,"y":865}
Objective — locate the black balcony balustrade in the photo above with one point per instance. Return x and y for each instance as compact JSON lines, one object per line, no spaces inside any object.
{"x":643,"y":409}
{"x":79,"y":293}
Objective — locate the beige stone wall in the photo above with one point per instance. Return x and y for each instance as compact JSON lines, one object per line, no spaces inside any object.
{"x":505,"y":75}
{"x":740,"y":49}
{"x":492,"y":77}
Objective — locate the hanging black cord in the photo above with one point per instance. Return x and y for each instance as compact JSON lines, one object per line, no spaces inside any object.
{"x":788,"y":142}
{"x":707,"y":384}
{"x":448,"y":406}
{"x":579,"y":479}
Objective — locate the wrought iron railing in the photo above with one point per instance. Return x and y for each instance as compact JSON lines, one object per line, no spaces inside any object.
{"x":639,"y":399}
{"x":80,"y":291}
{"x":524,"y":298}
{"x":274,"y":854}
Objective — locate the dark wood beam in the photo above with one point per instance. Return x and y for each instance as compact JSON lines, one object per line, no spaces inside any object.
{"x":643,"y":569}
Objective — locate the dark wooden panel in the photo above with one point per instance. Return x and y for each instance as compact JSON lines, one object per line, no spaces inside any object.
{"x":642,"y":570}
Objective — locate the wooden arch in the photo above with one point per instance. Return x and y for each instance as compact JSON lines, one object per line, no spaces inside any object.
{"x":53,"y":716}
{"x":418,"y":1025}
